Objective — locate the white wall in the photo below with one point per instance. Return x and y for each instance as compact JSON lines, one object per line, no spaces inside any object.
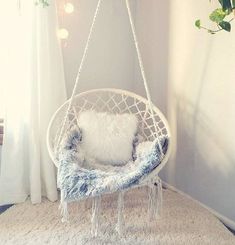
{"x":202,"y":81}
{"x":110,"y":58}
{"x":152,"y":20}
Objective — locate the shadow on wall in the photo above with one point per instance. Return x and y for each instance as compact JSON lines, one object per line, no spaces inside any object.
{"x":197,"y":133}
{"x":201,"y":77}
{"x":205,"y":167}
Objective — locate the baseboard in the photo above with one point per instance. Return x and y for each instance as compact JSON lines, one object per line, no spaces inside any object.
{"x":228,"y":222}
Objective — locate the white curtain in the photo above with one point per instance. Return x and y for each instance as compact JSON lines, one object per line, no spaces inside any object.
{"x":32,"y":88}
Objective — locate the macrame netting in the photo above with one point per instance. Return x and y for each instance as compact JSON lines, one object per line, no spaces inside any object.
{"x":112,"y":101}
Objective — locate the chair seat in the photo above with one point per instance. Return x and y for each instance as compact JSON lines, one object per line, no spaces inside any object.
{"x":77,"y":182}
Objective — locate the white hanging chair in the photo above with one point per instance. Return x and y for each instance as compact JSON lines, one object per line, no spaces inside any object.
{"x":152,"y":126}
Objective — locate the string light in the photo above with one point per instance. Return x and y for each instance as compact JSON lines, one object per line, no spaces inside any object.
{"x":68,"y":8}
{"x":63,"y":33}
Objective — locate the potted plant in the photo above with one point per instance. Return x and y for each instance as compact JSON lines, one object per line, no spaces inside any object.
{"x":221,"y":17}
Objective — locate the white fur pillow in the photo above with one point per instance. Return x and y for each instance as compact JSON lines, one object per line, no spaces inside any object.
{"x":108,"y":137}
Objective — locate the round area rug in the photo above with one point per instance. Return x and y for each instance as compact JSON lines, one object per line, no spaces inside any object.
{"x":182,"y":222}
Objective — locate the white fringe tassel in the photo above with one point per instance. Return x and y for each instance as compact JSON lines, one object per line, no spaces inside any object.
{"x":96,"y":206}
{"x":155,"y":199}
{"x":159,"y":198}
{"x":63,"y":209}
{"x":64,"y":212}
{"x":120,"y":222}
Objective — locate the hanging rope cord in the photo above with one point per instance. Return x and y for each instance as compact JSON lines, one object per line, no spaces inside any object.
{"x":143,"y":73}
{"x":78,"y":76}
{"x":140,"y":62}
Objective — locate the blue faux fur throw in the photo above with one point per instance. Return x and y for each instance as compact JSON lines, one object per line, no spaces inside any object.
{"x":80,"y":183}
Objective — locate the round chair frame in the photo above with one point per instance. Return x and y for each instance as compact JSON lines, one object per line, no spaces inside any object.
{"x":112,"y":101}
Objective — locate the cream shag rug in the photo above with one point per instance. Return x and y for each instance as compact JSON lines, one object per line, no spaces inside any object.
{"x":182,"y":222}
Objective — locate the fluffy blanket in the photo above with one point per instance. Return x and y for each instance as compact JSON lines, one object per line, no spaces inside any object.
{"x":77,"y":182}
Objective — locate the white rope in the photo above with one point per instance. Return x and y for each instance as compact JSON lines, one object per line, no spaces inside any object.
{"x":143,"y":72}
{"x":78,"y":74}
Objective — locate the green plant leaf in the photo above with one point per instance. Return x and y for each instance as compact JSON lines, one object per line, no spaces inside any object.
{"x":233,"y":3}
{"x":217,"y":15}
{"x":225,"y":25}
{"x":226,"y":5}
{"x":198,"y":24}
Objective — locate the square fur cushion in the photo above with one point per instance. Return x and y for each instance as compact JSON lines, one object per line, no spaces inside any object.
{"x":108,"y":138}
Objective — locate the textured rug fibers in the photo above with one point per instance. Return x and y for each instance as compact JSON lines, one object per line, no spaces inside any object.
{"x":182,"y":222}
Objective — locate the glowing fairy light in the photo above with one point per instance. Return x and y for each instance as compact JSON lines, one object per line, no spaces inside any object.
{"x":68,"y":8}
{"x":63,"y":33}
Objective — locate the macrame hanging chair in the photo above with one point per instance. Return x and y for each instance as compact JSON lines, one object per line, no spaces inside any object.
{"x":64,"y":136}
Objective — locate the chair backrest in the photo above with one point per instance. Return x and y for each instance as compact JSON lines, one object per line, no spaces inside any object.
{"x":112,"y":101}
